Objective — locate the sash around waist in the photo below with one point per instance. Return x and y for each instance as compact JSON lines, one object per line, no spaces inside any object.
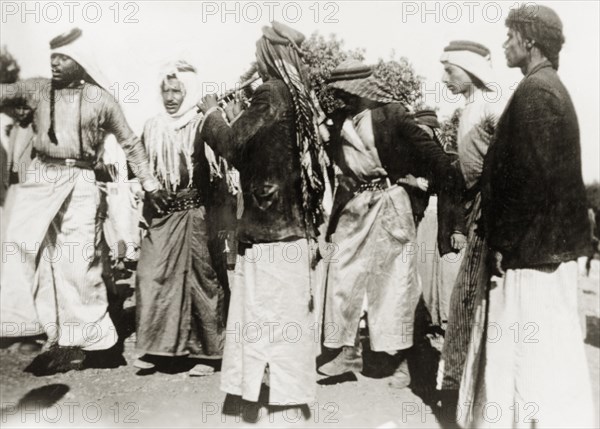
{"x":186,"y":199}
{"x":68,"y":162}
{"x":380,"y":183}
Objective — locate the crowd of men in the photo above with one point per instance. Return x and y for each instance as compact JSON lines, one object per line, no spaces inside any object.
{"x":251,"y":177}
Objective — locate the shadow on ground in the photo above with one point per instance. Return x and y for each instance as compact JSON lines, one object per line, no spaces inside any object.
{"x":35,"y":399}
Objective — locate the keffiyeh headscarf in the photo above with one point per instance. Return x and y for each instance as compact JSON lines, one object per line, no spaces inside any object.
{"x":169,"y":138}
{"x":278,"y":50}
{"x":73,"y":45}
{"x":472,"y":57}
{"x":355,"y":78}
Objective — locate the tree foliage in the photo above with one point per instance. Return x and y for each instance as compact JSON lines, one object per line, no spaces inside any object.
{"x":399,"y":78}
{"x":9,"y":68}
{"x":322,"y":56}
{"x":449,"y":129}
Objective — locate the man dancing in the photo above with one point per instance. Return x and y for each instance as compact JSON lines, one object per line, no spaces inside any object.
{"x":53,"y":252}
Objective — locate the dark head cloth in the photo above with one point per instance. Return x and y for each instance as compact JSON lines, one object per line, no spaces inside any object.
{"x":427,"y":117}
{"x":65,"y":38}
{"x":350,"y":69}
{"x":278,"y":50}
{"x":281,"y":34}
{"x":534,"y":13}
{"x":353,"y":77}
{"x":467,"y":45}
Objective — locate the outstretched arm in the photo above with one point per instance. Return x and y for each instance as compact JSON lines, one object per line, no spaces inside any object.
{"x":447,"y":181}
{"x":115,"y":123}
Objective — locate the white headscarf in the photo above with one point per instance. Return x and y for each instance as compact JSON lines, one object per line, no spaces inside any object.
{"x":82,"y":51}
{"x":192,"y":90}
{"x":168,"y":136}
{"x":478,"y":65}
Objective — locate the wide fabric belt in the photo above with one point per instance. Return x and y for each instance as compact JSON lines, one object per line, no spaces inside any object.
{"x":186,"y":203}
{"x":69,"y":162}
{"x":380,"y":184}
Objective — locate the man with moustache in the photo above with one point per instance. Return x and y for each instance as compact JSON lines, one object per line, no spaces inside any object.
{"x":179,"y":300}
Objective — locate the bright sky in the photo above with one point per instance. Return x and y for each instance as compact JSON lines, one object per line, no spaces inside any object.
{"x":134,"y":39}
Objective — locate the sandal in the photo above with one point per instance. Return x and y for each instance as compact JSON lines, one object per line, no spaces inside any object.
{"x":201,"y":370}
{"x":143,"y":364}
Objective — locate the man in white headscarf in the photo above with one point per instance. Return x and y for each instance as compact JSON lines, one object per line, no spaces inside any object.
{"x":53,"y":252}
{"x":180,"y":302}
{"x":467,"y":72}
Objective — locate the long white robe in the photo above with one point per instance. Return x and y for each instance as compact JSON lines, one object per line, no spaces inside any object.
{"x":53,"y":257}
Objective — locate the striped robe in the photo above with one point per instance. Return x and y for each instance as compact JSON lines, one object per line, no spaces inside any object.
{"x":472,"y":146}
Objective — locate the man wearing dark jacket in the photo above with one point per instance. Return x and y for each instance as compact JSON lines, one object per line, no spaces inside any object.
{"x":376,"y":145}
{"x":273,"y":280}
{"x":535,"y":219}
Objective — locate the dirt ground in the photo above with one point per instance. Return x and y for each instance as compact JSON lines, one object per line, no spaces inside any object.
{"x":126,"y":397}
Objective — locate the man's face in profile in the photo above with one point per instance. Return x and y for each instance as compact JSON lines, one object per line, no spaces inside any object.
{"x":515,"y":50}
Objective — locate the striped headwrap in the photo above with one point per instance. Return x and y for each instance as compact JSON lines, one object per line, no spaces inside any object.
{"x":280,"y":54}
{"x":355,"y":78}
{"x":472,"y":57}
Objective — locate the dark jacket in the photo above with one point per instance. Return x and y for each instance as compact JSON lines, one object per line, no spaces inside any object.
{"x":404,"y":148}
{"x":533,"y":197}
{"x":261,"y":144}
